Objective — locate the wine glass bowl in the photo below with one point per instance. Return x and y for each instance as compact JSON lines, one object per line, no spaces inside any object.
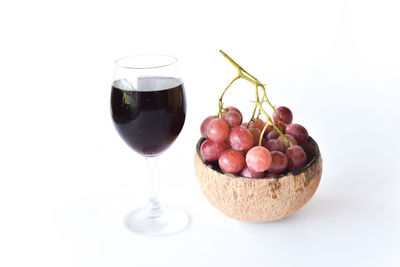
{"x":148,"y":104}
{"x":259,"y":199}
{"x":148,"y":110}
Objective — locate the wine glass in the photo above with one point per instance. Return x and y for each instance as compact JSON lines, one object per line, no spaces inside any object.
{"x":148,"y":109}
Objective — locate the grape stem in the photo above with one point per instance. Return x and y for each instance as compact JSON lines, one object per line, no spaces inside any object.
{"x":220,"y":104}
{"x":242,"y":73}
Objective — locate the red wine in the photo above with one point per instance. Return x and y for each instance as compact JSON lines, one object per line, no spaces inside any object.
{"x":151,"y":116}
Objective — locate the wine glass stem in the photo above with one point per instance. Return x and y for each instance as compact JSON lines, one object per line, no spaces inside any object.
{"x":154,"y":208}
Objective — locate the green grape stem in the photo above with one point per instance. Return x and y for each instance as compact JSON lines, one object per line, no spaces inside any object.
{"x":220,"y":104}
{"x":243,"y":74}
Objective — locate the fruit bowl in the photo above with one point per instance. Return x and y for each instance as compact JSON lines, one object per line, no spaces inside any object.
{"x":259,"y":199}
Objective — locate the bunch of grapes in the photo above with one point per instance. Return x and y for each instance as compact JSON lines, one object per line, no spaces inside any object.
{"x":257,"y":148}
{"x":235,"y":145}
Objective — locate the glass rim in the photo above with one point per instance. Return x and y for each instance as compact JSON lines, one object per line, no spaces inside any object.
{"x":119,"y":61}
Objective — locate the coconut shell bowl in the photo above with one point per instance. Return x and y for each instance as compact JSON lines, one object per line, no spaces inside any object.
{"x":259,"y":199}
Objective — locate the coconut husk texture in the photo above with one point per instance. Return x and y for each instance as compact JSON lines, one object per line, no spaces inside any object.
{"x":259,"y":199}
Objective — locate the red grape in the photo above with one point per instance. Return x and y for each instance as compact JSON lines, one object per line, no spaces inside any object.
{"x":258,"y":159}
{"x":273,"y":135}
{"x":233,"y":118}
{"x":256,"y":135}
{"x":204,"y":124}
{"x":267,"y":131}
{"x":298,"y":132}
{"x":278,"y":163}
{"x":259,"y":123}
{"x":284,"y":115}
{"x":218,"y":130}
{"x":275,"y":145}
{"x":234,"y":109}
{"x":287,"y":144}
{"x":247,"y":172}
{"x":296,"y":157}
{"x":241,"y":138}
{"x":211,"y":150}
{"x":251,"y":124}
{"x":231,"y":161}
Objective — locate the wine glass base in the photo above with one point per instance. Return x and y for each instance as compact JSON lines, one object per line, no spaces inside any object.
{"x":167,"y":220}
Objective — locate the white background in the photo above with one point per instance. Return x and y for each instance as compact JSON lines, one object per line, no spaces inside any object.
{"x":67,"y":179}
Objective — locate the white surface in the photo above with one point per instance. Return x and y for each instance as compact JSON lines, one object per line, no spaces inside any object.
{"x":67,"y":178}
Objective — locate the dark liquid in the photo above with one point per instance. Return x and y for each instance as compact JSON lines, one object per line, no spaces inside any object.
{"x":151,"y":117}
